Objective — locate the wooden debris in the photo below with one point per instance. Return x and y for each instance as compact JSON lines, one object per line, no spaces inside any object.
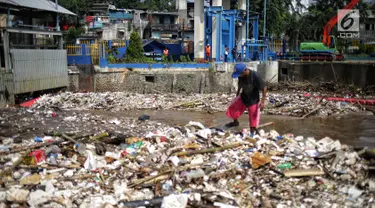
{"x":211,"y":150}
{"x":303,"y":172}
{"x":311,"y":112}
{"x":68,"y":138}
{"x":99,"y":136}
{"x":265,"y":125}
{"x":36,"y":146}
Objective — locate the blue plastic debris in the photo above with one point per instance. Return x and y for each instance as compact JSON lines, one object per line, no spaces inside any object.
{"x":38,"y":139}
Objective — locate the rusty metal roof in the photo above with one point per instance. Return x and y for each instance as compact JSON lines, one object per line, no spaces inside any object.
{"x":44,"y":5}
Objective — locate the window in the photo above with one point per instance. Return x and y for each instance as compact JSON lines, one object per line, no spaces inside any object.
{"x":367,"y":27}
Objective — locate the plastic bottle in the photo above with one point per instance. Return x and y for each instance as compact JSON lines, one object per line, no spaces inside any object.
{"x":38,"y":139}
{"x":53,"y":158}
{"x":195,"y":174}
{"x":137,"y":145}
{"x":284,"y":166}
{"x":167,"y":188}
{"x":80,"y":148}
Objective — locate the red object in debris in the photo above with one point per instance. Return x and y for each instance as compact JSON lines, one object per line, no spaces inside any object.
{"x":348,"y":100}
{"x":353,"y":100}
{"x":29,"y":103}
{"x":54,"y":114}
{"x":39,"y":156}
{"x":163,"y":139}
{"x":124,"y":153}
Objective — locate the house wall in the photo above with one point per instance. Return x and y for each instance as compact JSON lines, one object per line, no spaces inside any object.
{"x":188,"y":36}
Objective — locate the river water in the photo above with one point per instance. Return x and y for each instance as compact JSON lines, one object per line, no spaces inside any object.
{"x":354,"y":129}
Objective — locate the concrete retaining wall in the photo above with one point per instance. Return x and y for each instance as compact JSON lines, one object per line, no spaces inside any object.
{"x":164,"y":81}
{"x":358,"y":74}
{"x":171,"y":80}
{"x":73,"y":74}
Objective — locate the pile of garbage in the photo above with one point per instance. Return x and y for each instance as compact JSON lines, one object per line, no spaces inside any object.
{"x":326,"y":88}
{"x":182,"y":166}
{"x":297,"y":104}
{"x":303,"y":105}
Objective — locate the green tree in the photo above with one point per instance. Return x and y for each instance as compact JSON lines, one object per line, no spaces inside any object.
{"x":310,"y":24}
{"x":276,"y":14}
{"x":72,"y":34}
{"x":321,"y":11}
{"x":134,"y":51}
{"x":127,"y":4}
{"x":158,"y":5}
{"x":79,"y":7}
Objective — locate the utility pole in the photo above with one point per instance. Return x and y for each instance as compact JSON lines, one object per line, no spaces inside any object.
{"x":140,"y":26}
{"x":264,"y":18}
{"x":57,"y":16}
{"x":247,"y":19}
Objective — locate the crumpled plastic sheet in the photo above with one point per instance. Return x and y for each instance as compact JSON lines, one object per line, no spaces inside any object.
{"x":175,"y":201}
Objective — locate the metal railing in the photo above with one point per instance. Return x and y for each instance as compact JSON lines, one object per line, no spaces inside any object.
{"x":73,"y":50}
{"x":165,"y":26}
{"x":367,"y":34}
{"x":88,"y":50}
{"x":276,"y":45}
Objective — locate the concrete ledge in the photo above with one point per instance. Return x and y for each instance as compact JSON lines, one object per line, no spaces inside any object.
{"x":146,"y":81}
{"x":359,"y":74}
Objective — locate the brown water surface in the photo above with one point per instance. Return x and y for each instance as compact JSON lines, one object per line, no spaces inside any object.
{"x":357,"y":130}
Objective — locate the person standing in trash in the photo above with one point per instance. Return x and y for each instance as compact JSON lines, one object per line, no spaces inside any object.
{"x":249,"y":84}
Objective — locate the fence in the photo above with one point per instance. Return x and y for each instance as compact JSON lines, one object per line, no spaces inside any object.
{"x":88,"y":52}
{"x":276,"y":45}
{"x":33,"y":70}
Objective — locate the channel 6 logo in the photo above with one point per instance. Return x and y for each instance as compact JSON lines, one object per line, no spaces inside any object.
{"x":348,"y":20}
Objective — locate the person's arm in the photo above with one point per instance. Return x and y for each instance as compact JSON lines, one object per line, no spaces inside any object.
{"x":239,"y":88}
{"x":261,"y":86}
{"x":264,"y":96}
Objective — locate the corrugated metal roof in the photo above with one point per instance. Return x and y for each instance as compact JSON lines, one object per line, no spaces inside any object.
{"x":45,"y":5}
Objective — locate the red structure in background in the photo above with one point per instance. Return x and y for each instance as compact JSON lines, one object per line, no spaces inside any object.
{"x":332,"y":22}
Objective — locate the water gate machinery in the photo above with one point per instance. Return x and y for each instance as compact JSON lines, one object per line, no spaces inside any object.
{"x":228,"y":22}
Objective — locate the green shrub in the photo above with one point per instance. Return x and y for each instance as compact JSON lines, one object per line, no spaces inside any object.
{"x":111,"y":59}
{"x":184,"y":59}
{"x":134,"y":51}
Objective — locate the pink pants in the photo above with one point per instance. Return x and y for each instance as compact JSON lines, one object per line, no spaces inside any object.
{"x":237,"y":108}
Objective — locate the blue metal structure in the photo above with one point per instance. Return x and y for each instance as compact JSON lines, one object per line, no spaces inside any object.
{"x":226,"y":20}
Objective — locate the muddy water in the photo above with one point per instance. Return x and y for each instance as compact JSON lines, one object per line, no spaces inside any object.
{"x":357,"y":130}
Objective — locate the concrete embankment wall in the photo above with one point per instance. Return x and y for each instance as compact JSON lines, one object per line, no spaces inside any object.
{"x":164,"y":81}
{"x":358,"y":74}
{"x":217,"y":79}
